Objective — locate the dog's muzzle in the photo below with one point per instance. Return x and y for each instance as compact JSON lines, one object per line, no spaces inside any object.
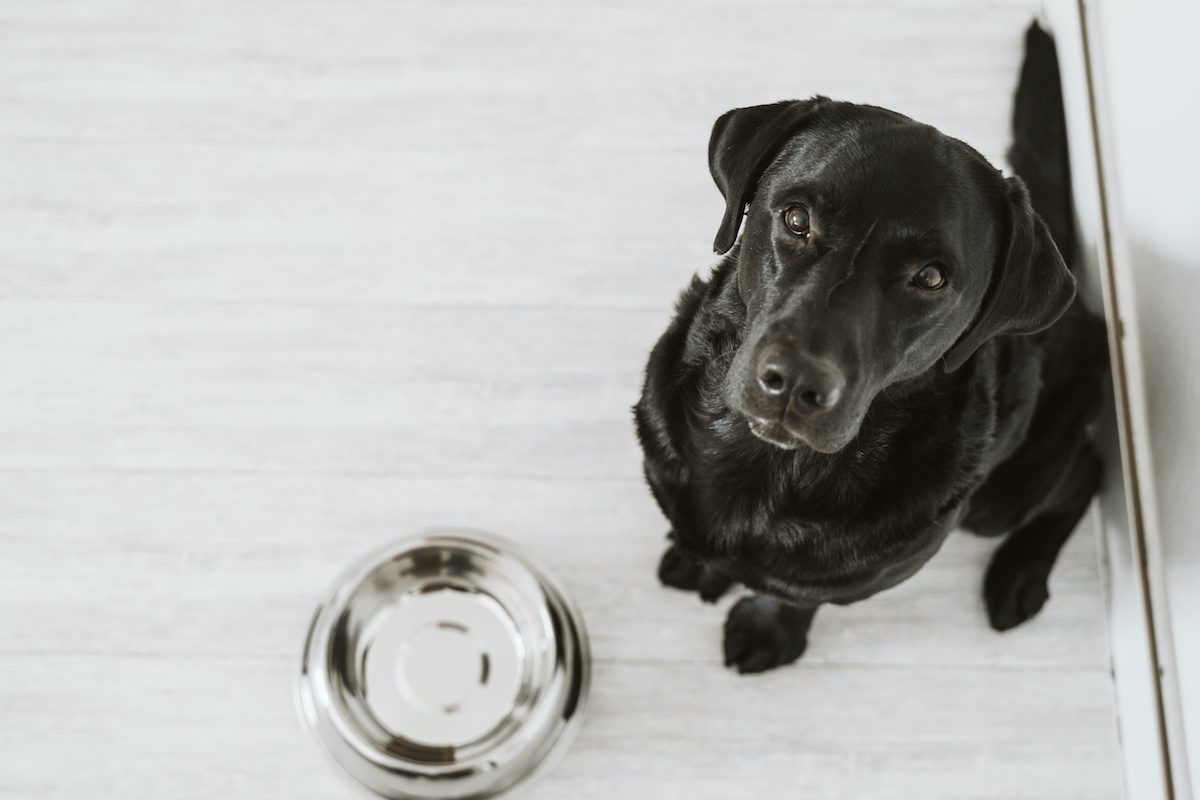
{"x":798,"y":385}
{"x":792,"y":398}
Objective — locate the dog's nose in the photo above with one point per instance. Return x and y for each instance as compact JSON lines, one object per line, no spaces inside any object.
{"x":811,"y":385}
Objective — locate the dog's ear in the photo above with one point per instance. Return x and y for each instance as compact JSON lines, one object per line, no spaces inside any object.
{"x":743,"y":143}
{"x":1031,"y":286}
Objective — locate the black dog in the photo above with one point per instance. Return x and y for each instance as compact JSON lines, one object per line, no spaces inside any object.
{"x":890,"y":350}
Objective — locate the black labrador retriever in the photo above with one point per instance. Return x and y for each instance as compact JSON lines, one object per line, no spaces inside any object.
{"x":889,"y":351}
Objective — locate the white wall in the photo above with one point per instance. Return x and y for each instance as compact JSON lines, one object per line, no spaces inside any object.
{"x":1152,"y":81}
{"x":1129,"y":634}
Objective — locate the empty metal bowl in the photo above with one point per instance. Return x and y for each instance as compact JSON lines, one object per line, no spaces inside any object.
{"x":446,"y":666}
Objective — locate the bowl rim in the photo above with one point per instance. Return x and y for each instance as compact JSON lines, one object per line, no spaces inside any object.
{"x":554,"y":742}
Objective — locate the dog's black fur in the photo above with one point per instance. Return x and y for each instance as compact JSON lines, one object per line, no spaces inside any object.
{"x":821,"y":412}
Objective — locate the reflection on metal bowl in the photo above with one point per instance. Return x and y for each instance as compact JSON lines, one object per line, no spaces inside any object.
{"x":447,"y":666}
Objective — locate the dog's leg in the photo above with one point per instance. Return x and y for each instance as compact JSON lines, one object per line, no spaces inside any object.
{"x":1015,"y":586}
{"x":763,"y":632}
{"x":681,"y":571}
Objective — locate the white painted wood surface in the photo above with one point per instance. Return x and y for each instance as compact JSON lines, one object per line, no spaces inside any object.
{"x":282,"y":281}
{"x":1145,"y":61}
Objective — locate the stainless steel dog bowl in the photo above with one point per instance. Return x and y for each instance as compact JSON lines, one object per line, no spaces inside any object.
{"x":447,"y":666}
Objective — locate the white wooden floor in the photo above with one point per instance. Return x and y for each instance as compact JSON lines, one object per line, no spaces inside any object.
{"x":281,"y":281}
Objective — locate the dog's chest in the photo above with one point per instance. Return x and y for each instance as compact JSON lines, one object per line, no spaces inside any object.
{"x":825,"y":527}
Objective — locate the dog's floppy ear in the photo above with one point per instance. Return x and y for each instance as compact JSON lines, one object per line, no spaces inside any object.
{"x":742,"y":144}
{"x":1031,"y":286}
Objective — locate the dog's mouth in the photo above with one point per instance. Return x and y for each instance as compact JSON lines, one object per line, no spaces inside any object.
{"x":774,"y":433}
{"x":779,"y":435}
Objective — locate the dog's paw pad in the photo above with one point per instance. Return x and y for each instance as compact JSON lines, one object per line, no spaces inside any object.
{"x":756,"y":640}
{"x":1014,"y":591}
{"x":679,"y":570}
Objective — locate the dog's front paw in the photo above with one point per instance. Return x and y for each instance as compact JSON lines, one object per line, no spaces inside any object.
{"x":681,"y":571}
{"x":1015,"y":588}
{"x":762,"y":633}
{"x":713,"y":584}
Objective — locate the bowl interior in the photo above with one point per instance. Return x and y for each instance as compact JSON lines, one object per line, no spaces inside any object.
{"x":442,"y":652}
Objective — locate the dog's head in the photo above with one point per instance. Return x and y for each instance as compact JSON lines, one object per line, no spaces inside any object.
{"x":875,"y":248}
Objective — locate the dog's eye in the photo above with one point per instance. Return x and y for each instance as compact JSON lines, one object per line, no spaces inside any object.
{"x":930,"y":277}
{"x":796,"y":218}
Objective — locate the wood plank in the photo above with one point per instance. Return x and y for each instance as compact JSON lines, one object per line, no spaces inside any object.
{"x":689,"y":731}
{"x":162,"y":564}
{"x":369,"y":70}
{"x":339,"y":224}
{"x":325,"y":388}
{"x":344,"y":156}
